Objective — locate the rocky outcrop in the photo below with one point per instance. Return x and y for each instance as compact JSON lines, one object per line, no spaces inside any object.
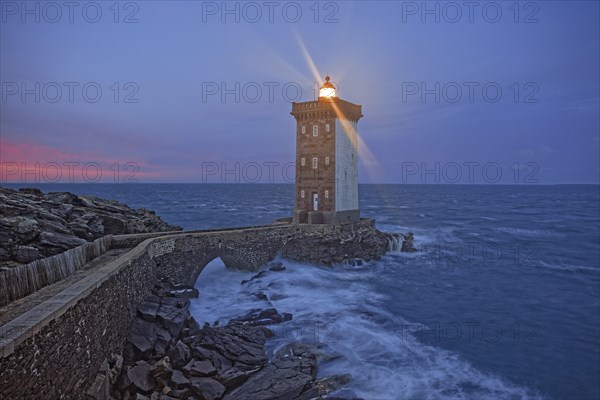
{"x":363,"y":242}
{"x":408,"y":243}
{"x":168,"y":356}
{"x":35,"y":225}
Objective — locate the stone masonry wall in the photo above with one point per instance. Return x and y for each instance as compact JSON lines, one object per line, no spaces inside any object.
{"x":61,"y":358}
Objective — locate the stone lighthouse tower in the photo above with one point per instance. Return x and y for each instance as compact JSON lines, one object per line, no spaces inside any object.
{"x":326,"y":159}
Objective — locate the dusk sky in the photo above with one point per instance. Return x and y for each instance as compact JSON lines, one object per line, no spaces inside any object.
{"x":542,"y":128}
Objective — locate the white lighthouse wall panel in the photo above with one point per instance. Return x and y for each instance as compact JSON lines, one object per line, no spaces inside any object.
{"x":346,"y":165}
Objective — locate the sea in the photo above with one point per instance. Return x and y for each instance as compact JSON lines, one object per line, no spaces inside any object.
{"x":502,"y":300}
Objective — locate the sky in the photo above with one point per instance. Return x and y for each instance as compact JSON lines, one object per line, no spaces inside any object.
{"x":182,"y":91}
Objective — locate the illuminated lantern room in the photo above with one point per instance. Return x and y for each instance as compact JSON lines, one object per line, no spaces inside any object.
{"x":327,"y":90}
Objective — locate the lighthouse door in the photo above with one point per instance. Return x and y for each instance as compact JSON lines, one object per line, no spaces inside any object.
{"x":315,"y":201}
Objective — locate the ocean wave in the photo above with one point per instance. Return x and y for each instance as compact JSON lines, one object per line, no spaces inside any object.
{"x":567,"y":267}
{"x":337,"y":307}
{"x":522,"y":232}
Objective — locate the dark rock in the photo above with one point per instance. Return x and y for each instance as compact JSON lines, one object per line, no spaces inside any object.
{"x":200,"y":368}
{"x":192,"y":325}
{"x":408,"y":243}
{"x":183,"y":291}
{"x":138,"y":377}
{"x":364,"y":243}
{"x":141,"y":341}
{"x":113,"y":226}
{"x":208,"y":388}
{"x":255,"y":277}
{"x":232,"y":378}
{"x":291,"y":375}
{"x":218,"y":360}
{"x":332,"y":383}
{"x":185,"y":393}
{"x":179,"y":380}
{"x":32,"y":191}
{"x":115,"y":366}
{"x":241,"y":345}
{"x":258,"y":317}
{"x":173,"y":319}
{"x":277,"y":267}
{"x":147,"y":310}
{"x":179,"y":354}
{"x":161,"y":371}
{"x":261,"y":296}
{"x":52,"y":239}
{"x":283,"y":379}
{"x":26,"y":254}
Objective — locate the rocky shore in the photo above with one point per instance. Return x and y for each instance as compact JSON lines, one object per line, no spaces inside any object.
{"x":169,"y":356}
{"x":34,"y":225}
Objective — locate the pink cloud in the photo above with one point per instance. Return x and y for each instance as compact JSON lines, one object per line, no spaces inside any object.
{"x":31,"y":162}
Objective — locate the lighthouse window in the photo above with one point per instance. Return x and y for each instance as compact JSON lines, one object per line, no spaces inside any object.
{"x":303,"y":161}
{"x":327,"y":194}
{"x":315,"y":163}
{"x":302,"y":193}
{"x":327,"y":127}
{"x":315,"y":130}
{"x":326,"y":160}
{"x":303,"y":129}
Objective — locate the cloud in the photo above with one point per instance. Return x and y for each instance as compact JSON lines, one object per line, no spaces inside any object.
{"x":32,"y":162}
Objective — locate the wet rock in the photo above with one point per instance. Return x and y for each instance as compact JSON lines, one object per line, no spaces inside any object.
{"x":255,"y":277}
{"x":408,"y":243}
{"x":185,"y":393}
{"x":332,"y":383}
{"x":148,"y":310}
{"x":199,"y":368}
{"x":286,"y":377}
{"x":243,"y":346}
{"x":218,"y":361}
{"x":277,"y":267}
{"x":138,"y":377}
{"x":208,"y":388}
{"x":232,"y":378}
{"x":260,"y":296}
{"x":141,"y":340}
{"x":173,"y":318}
{"x":183,"y":291}
{"x":179,"y":380}
{"x":258,"y":317}
{"x":161,"y":371}
{"x":179,"y":354}
{"x":363,"y":243}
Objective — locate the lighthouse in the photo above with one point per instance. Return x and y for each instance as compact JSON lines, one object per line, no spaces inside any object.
{"x":326,"y":159}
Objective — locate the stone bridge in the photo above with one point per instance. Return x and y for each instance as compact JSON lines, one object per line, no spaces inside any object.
{"x":63,"y":316}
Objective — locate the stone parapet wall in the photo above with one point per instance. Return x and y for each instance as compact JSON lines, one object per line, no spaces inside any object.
{"x":24,"y":280}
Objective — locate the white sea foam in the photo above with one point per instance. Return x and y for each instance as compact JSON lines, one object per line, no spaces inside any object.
{"x":521,"y":232}
{"x":340,"y":309}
